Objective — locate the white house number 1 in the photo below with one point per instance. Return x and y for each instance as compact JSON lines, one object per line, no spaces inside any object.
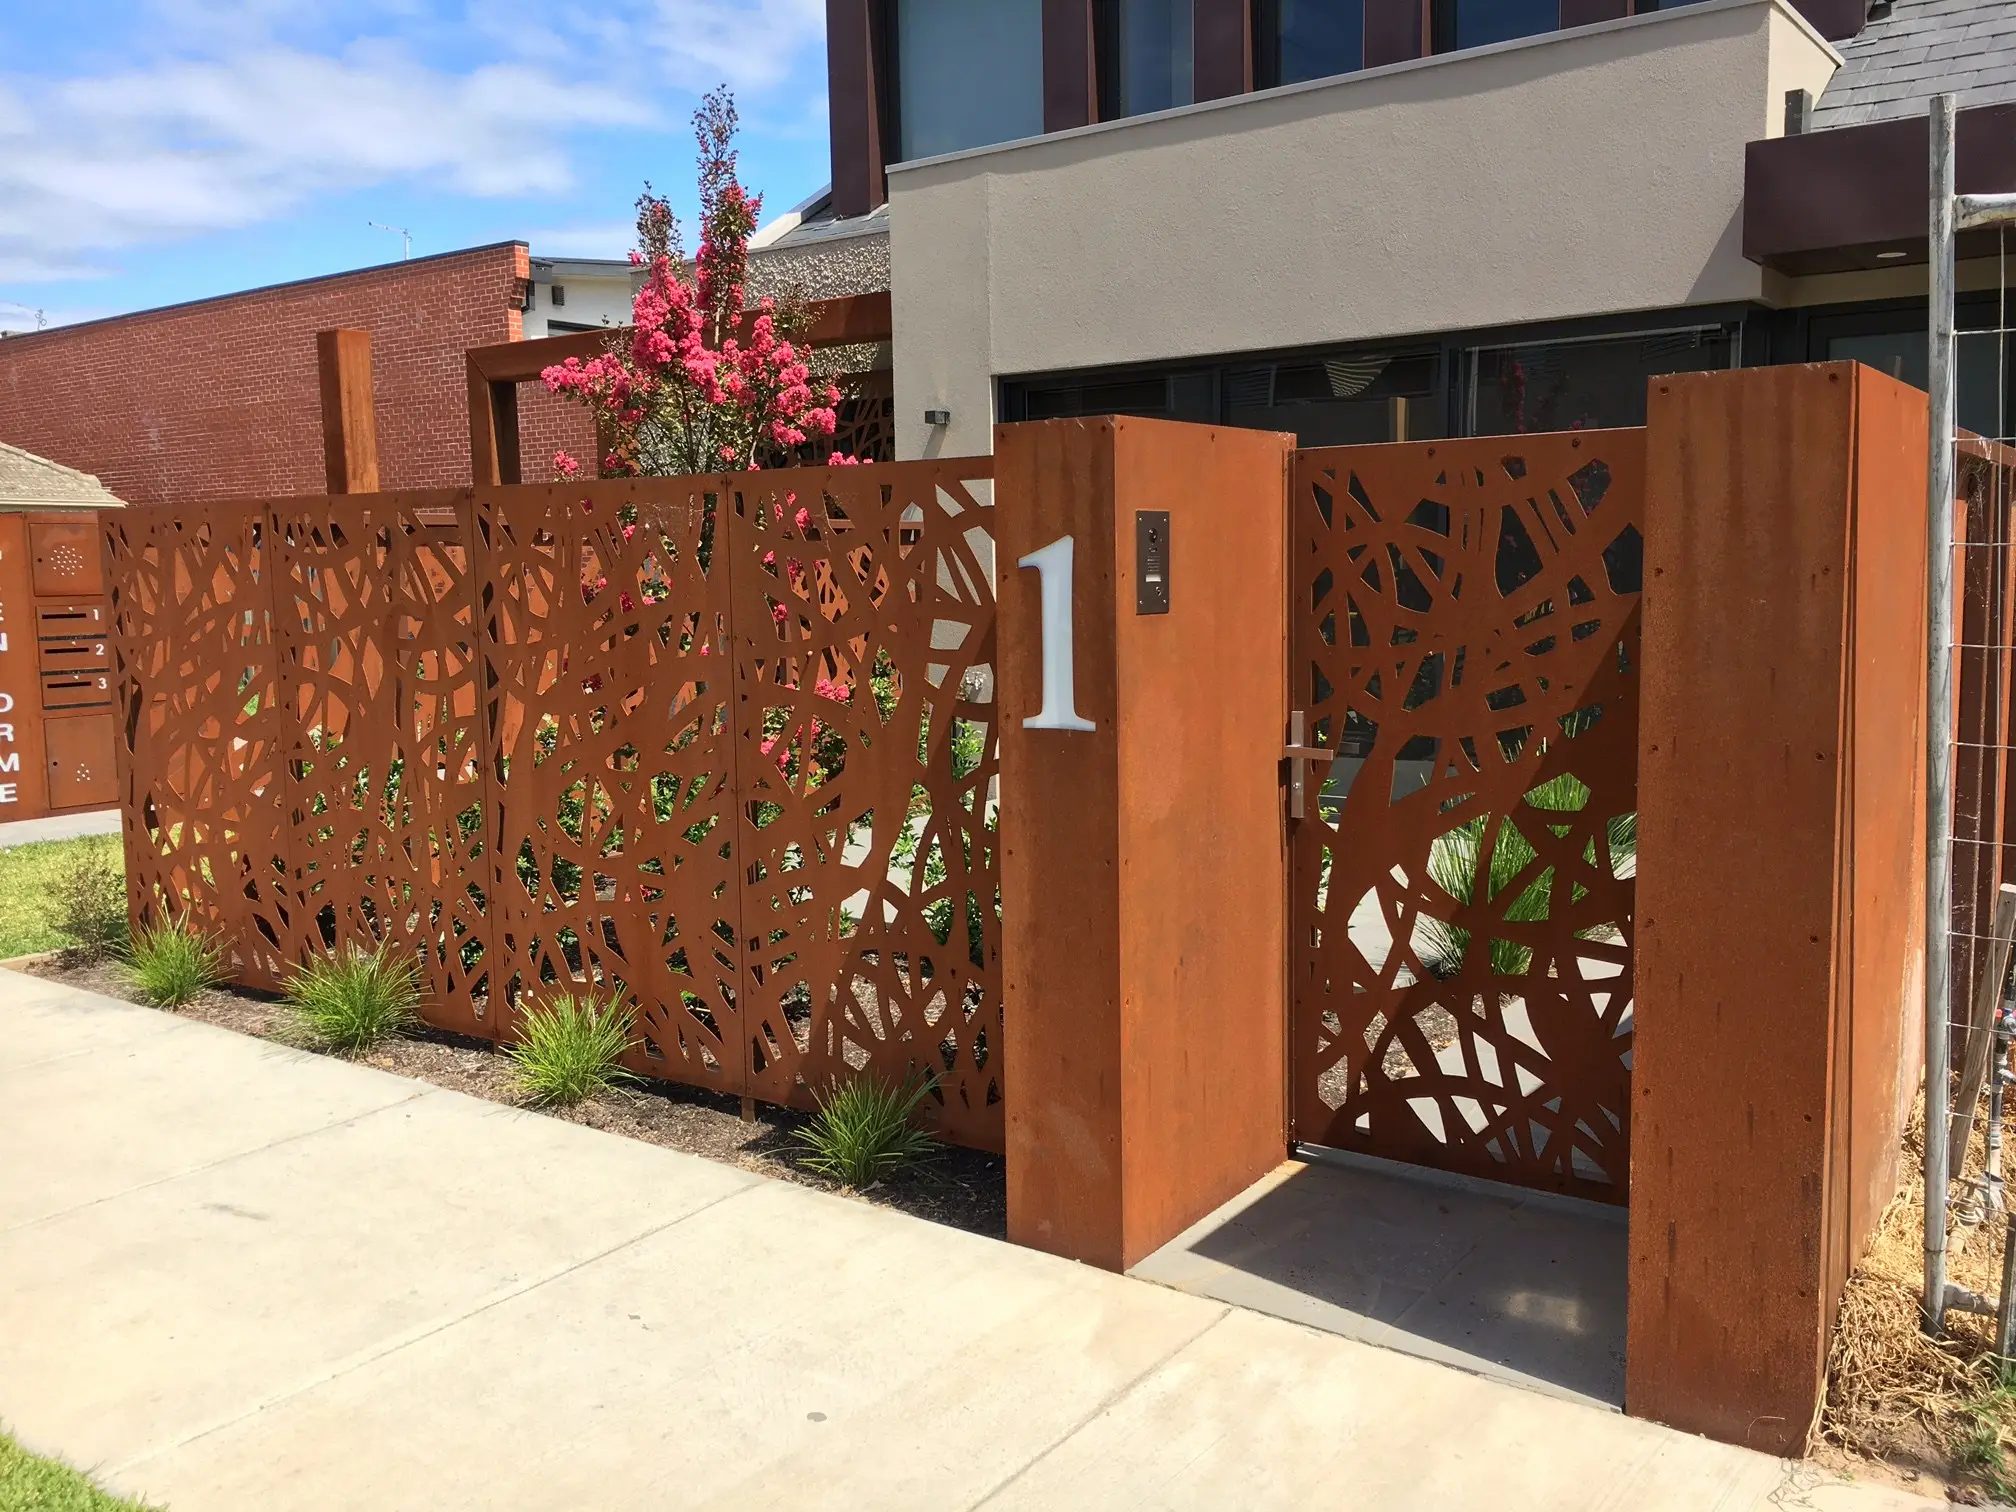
{"x":1060,"y":684}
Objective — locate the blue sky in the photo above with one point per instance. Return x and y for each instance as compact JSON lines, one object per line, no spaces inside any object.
{"x":160,"y":150}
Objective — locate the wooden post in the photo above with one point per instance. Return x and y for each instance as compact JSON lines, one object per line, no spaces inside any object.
{"x":1780,"y":879}
{"x":349,"y":421}
{"x":1143,"y":874}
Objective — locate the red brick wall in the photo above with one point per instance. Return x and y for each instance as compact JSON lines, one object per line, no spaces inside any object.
{"x":220,"y":399}
{"x":547,"y":424}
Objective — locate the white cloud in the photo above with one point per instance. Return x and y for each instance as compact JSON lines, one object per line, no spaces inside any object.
{"x":256,"y":110}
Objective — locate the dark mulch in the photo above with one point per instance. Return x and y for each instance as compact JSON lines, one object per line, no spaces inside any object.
{"x":962,"y":1188}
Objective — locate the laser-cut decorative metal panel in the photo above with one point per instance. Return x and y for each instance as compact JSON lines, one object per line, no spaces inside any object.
{"x":201,"y":743}
{"x":605,"y":630}
{"x":376,"y":626}
{"x":864,"y":639}
{"x":724,"y":745}
{"x":1465,"y":631}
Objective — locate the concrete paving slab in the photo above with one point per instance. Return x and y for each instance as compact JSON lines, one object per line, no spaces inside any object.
{"x":1523,"y":1287}
{"x":785,"y":1349}
{"x":152,"y":1096}
{"x":59,"y":827}
{"x":135,"y":1323}
{"x":439,"y":1303}
{"x":1262,"y":1413}
{"x":49,"y":1021}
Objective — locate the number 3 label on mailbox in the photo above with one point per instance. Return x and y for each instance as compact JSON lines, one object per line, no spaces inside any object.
{"x":1060,"y":690}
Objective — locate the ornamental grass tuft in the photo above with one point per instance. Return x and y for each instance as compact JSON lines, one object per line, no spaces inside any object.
{"x":170,"y":962}
{"x":865,"y":1129}
{"x":570,"y":1046}
{"x":353,"y":1000}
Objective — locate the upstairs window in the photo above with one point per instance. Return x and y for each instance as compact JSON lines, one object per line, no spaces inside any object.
{"x":969,"y":73}
{"x":1307,"y":39}
{"x":1479,"y":23}
{"x":1145,"y":56}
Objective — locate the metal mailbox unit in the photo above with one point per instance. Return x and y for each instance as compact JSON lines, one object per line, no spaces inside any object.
{"x":56,"y":696}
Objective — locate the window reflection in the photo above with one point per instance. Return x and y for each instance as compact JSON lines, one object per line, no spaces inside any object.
{"x":969,"y":73}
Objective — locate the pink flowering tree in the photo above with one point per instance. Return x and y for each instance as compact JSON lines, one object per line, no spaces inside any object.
{"x":702,"y":382}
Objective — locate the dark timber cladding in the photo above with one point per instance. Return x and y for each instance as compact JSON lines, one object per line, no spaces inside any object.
{"x":1781,"y":824}
{"x":1395,"y":31}
{"x":1070,"y":65}
{"x":856,"y":53}
{"x":1221,"y":49}
{"x":1829,"y":201}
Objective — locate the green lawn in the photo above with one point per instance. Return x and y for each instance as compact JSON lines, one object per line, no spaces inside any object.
{"x":28,"y":902}
{"x":29,"y":1483}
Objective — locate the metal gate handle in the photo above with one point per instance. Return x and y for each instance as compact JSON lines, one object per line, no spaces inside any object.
{"x":1299,"y":754}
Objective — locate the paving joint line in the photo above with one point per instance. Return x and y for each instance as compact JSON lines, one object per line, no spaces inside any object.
{"x":1105,"y":1404}
{"x":221,"y":1160}
{"x":407,"y":1340}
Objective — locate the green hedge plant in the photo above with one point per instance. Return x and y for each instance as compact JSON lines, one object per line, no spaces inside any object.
{"x":356,"y":998}
{"x":570,"y":1046}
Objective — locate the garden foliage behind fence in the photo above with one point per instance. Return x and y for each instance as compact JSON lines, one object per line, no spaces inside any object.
{"x":725,"y":743}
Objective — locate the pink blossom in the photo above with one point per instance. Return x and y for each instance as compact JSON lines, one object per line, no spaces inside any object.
{"x":803,"y":519}
{"x":566,"y":466}
{"x":779,"y":613}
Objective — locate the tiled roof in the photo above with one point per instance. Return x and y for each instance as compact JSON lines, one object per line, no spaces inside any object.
{"x":1923,"y":48}
{"x":29,"y":481}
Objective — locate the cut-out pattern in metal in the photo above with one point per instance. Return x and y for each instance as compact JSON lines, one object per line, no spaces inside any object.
{"x":723,"y":746}
{"x":1465,"y":634}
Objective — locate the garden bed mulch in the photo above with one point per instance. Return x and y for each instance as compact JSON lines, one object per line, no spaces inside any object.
{"x":961,"y":1188}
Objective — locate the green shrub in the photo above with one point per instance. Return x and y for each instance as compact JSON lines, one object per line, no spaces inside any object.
{"x":864,"y":1130}
{"x":350,"y":1001}
{"x":90,"y":897}
{"x":171,"y":961}
{"x":570,"y":1048}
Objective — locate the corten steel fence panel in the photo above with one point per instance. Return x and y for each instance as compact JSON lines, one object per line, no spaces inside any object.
{"x":1464,"y":630}
{"x":202,"y":742}
{"x":375,"y":626}
{"x":605,"y":634}
{"x":864,"y":643}
{"x":723,"y":746}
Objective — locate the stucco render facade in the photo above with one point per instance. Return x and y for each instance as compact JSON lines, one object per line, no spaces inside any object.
{"x":1578,"y":173}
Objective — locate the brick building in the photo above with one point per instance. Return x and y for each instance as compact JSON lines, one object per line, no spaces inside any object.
{"x":219,"y":398}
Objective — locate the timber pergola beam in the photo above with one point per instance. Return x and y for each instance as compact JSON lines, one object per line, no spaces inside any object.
{"x":496,"y":371}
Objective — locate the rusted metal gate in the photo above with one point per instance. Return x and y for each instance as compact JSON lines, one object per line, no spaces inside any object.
{"x":726,"y":744}
{"x":1464,"y":644}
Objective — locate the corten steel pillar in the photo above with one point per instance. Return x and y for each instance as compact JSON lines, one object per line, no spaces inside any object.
{"x":1780,"y":879}
{"x":1143,"y":878}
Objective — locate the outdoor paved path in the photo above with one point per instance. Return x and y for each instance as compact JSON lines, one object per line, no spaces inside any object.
{"x":59,"y":827}
{"x":233,"y":1276}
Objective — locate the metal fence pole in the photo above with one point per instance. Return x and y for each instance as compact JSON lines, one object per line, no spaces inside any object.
{"x":1939,"y":727}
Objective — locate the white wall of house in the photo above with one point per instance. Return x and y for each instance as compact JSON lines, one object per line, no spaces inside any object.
{"x":596,"y":292}
{"x":1584,"y":172}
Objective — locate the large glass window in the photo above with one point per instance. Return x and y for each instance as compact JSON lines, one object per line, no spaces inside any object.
{"x":1341,"y":401}
{"x":1479,"y":23}
{"x":1309,"y":39}
{"x":1903,"y":355}
{"x":1145,"y":56}
{"x":1581,"y":385}
{"x":969,"y":73}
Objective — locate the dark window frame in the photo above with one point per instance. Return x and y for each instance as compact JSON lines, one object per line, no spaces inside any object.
{"x":1011,"y":391}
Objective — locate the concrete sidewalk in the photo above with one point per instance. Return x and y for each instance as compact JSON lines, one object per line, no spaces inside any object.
{"x":233,"y":1276}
